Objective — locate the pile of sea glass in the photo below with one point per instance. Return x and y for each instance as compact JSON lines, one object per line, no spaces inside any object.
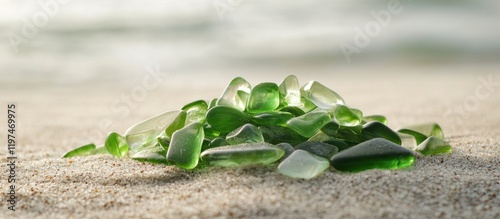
{"x":302,"y":131}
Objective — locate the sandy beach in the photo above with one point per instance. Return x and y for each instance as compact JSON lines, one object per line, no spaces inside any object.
{"x":54,"y":119}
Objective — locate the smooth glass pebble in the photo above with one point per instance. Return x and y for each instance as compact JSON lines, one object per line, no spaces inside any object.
{"x":377,"y":118}
{"x":263,"y":98}
{"x":185,"y":146}
{"x":290,"y":91}
{"x":279,"y":134}
{"x":433,"y":145}
{"x":242,"y":155}
{"x":178,"y":123}
{"x":225,"y":119}
{"x":149,"y":129}
{"x":358,"y":113}
{"x":196,"y":111}
{"x":408,"y":141}
{"x":84,"y":150}
{"x":153,"y":154}
{"x":272,"y":118}
{"x":308,"y":124}
{"x":318,"y":148}
{"x":247,"y":133}
{"x":344,"y":116}
{"x":428,"y":129}
{"x":378,"y":130}
{"x":304,"y":165}
{"x":419,"y":137}
{"x":376,"y":153}
{"x":116,"y":144}
{"x":232,"y":95}
{"x":330,"y":128}
{"x":321,"y":96}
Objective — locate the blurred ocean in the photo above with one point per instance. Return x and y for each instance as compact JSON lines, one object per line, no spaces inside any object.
{"x":89,"y":41}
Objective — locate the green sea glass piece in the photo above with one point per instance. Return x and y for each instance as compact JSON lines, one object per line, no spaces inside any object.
{"x":376,"y":153}
{"x":344,"y":116}
{"x":433,"y":145}
{"x":330,"y":128}
{"x":263,"y":97}
{"x":318,"y":148}
{"x":272,"y":118}
{"x":185,"y":146}
{"x":321,"y":96}
{"x":196,"y":111}
{"x":290,"y":91}
{"x":225,"y":119}
{"x":377,"y":118}
{"x":378,"y":130}
{"x":408,"y":141}
{"x":341,"y":145}
{"x":419,"y":137}
{"x":213,"y":103}
{"x":247,"y":133}
{"x":154,"y":153}
{"x":216,"y":142}
{"x":428,"y":129}
{"x":116,"y":144}
{"x":164,"y":142}
{"x":149,"y":129}
{"x":304,"y":165}
{"x":84,"y":150}
{"x":237,"y":89}
{"x":178,"y":123}
{"x":296,"y":111}
{"x":288,"y":148}
{"x":308,"y":124}
{"x":279,"y":134}
{"x":358,"y":112}
{"x":243,"y":154}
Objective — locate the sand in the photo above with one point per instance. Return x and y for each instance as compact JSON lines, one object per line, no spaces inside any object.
{"x":54,"y":119}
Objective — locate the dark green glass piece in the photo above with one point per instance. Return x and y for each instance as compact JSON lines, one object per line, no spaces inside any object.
{"x":330,"y":128}
{"x":225,"y":119}
{"x":320,"y":95}
{"x":233,"y":94}
{"x":185,"y":146}
{"x":116,"y":145}
{"x":217,"y":142}
{"x":419,"y":137}
{"x":196,"y":111}
{"x":318,"y":148}
{"x":304,"y":165}
{"x":433,"y":145}
{"x":247,"y":133}
{"x":243,"y":154}
{"x":263,"y":98}
{"x":272,"y":118}
{"x":288,"y":148}
{"x":377,"y":118}
{"x":84,"y":150}
{"x":308,"y":124}
{"x":376,"y":153}
{"x":296,"y":111}
{"x":341,"y":145}
{"x":378,"y":130}
{"x":278,"y":134}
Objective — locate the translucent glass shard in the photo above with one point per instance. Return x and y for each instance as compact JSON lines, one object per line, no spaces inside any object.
{"x":237,"y":89}
{"x":196,"y":111}
{"x":433,"y":145}
{"x":149,"y":129}
{"x":308,"y":124}
{"x":272,"y":118}
{"x":304,"y":165}
{"x":185,"y":146}
{"x":247,"y":133}
{"x":321,"y":96}
{"x":376,"y":153}
{"x":377,"y":118}
{"x":263,"y":97}
{"x":242,"y":154}
{"x":290,"y":91}
{"x":116,"y":144}
{"x":344,"y":116}
{"x":84,"y":150}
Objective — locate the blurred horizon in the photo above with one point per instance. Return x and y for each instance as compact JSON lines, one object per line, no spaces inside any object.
{"x":114,"y":41}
